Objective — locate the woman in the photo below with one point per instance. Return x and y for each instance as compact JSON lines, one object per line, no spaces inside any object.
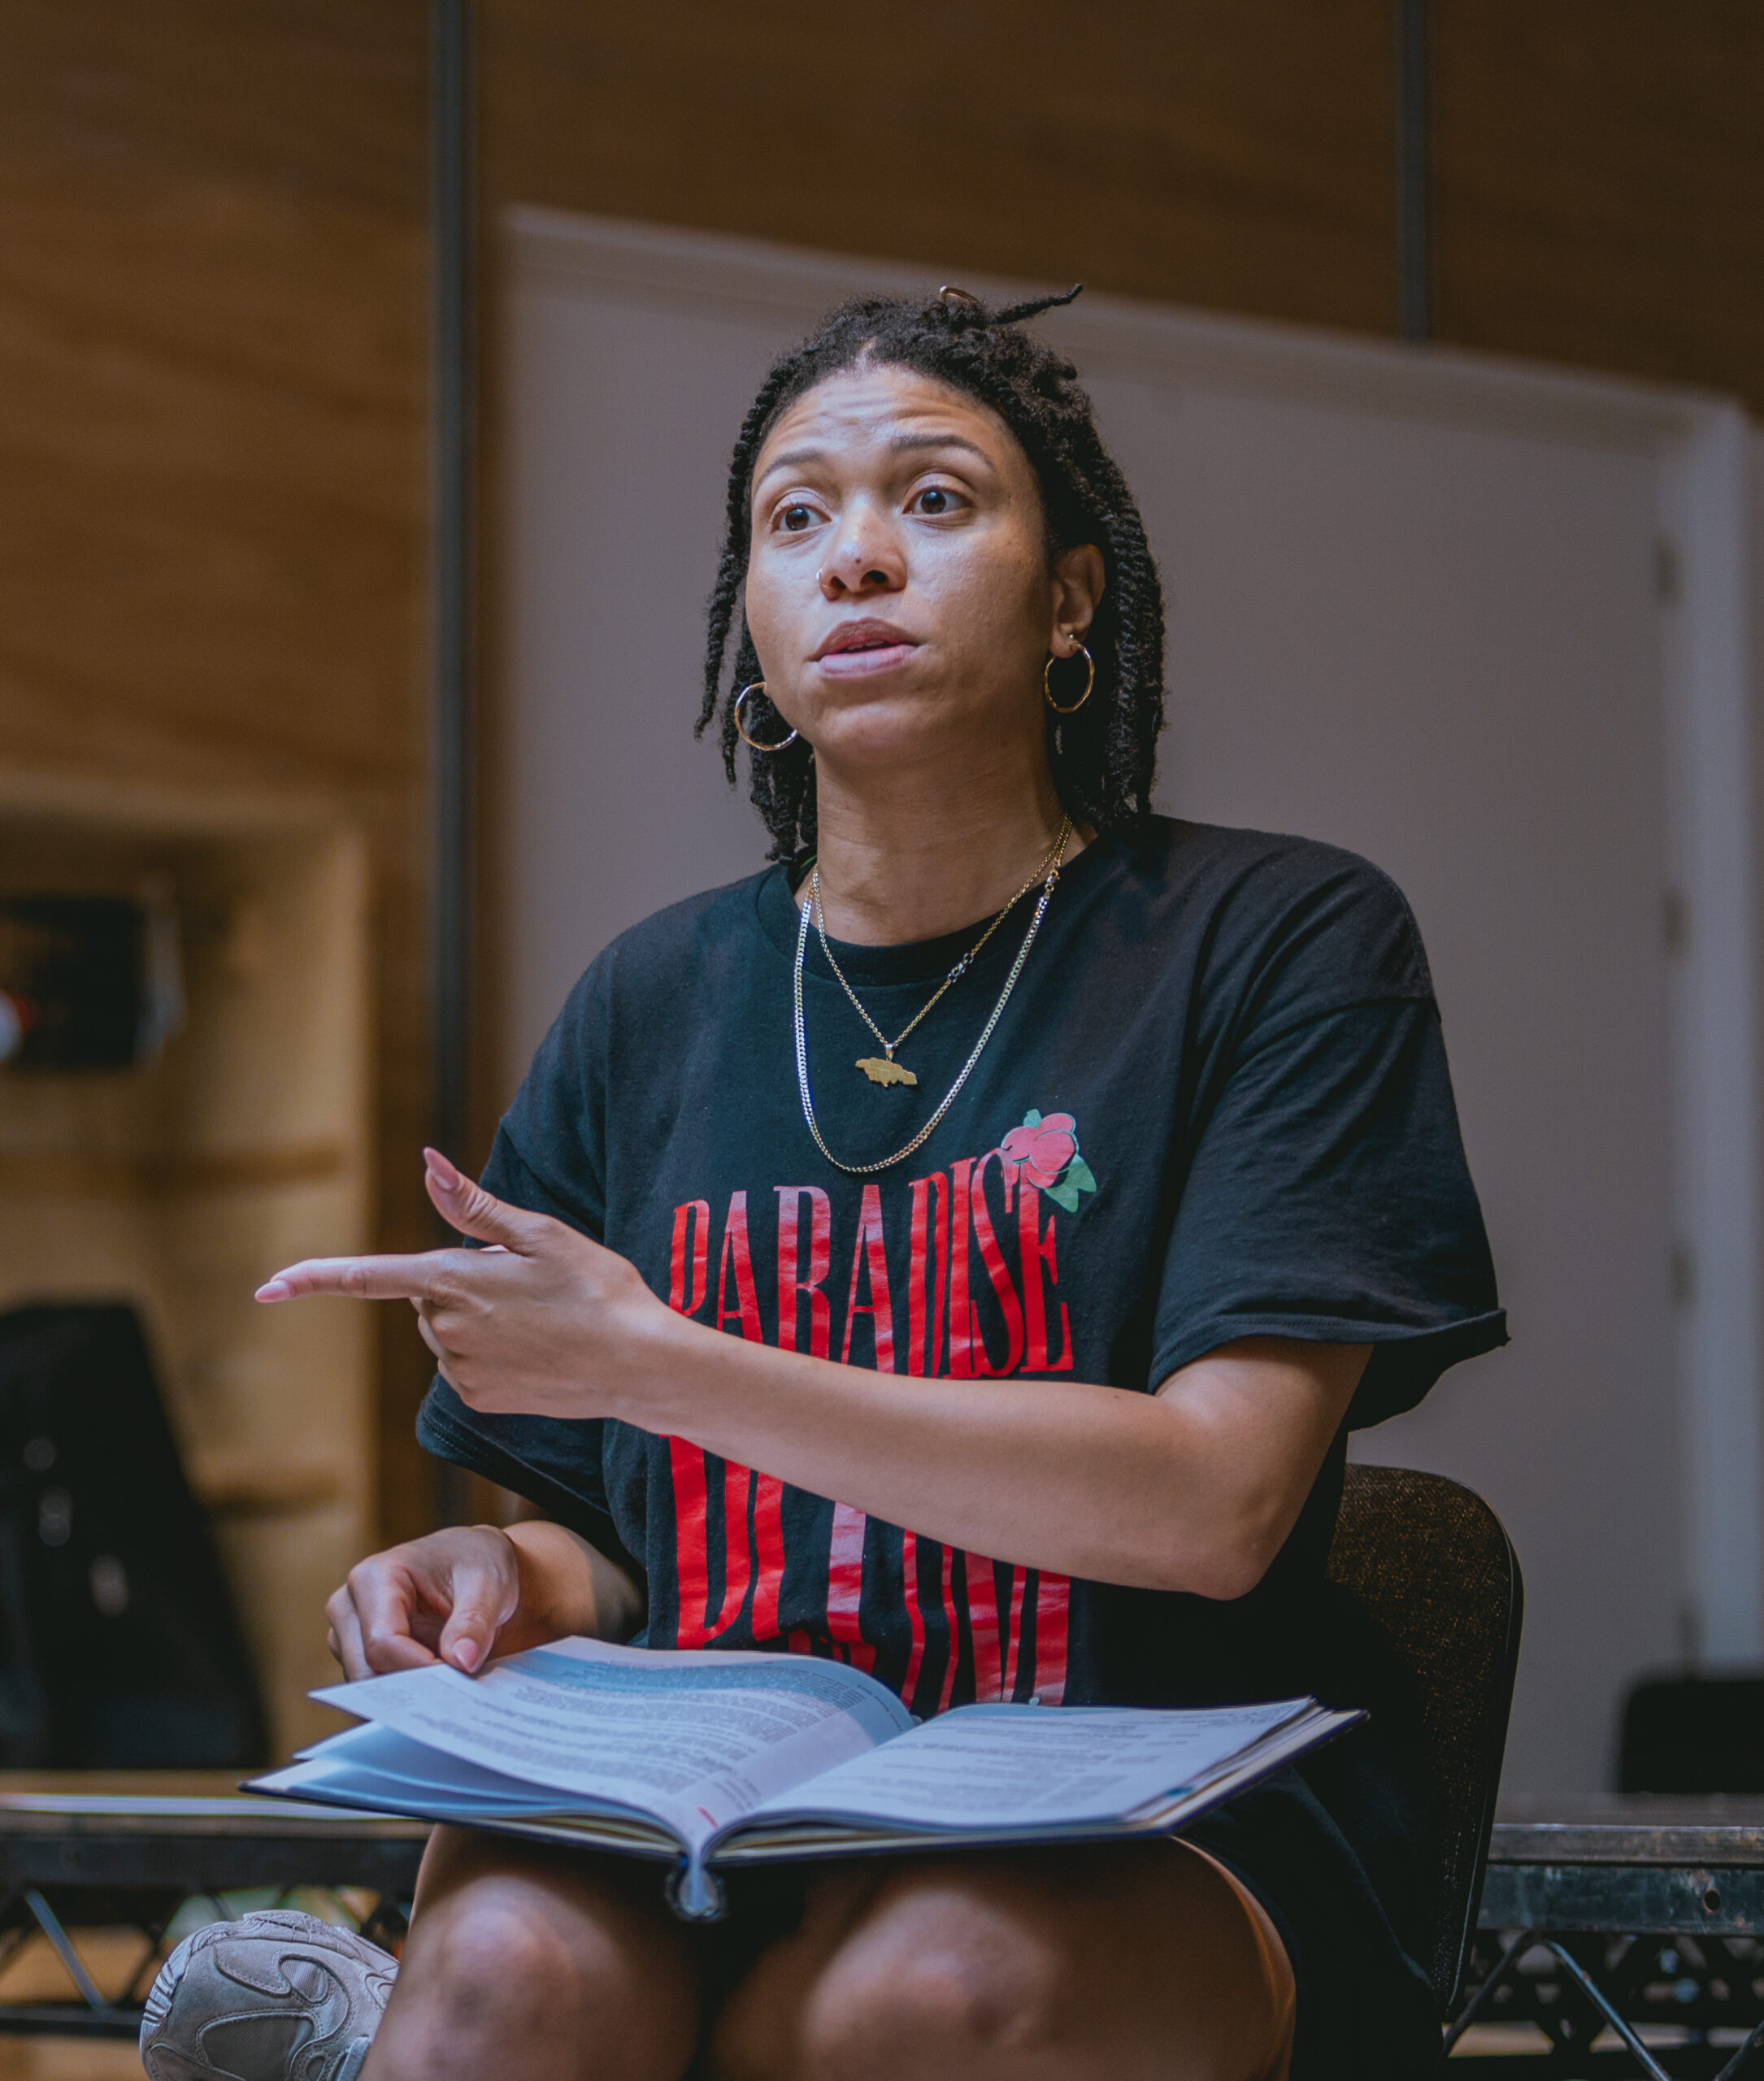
{"x":1034,"y":1193}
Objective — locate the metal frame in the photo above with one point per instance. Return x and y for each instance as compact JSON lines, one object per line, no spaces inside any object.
{"x":101,"y":2017}
{"x":97,"y":2014}
{"x":453,"y":591}
{"x":1642,"y":1916}
{"x":1573,"y":1990}
{"x":453,"y":378}
{"x":68,"y":1864}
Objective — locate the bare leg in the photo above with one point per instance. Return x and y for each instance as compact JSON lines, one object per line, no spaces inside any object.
{"x":527,"y":1965}
{"x":1136,"y":1963}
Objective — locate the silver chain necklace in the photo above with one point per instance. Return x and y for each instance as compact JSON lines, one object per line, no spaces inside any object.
{"x":931,"y":1126}
{"x":884,"y":1069}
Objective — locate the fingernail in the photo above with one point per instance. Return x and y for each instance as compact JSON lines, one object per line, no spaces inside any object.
{"x":276,"y":1289}
{"x":468,"y":1654}
{"x":442,"y":1171}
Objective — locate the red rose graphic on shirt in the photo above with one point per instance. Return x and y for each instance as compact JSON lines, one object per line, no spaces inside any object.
{"x":1042,"y":1147}
{"x":1045,"y":1151}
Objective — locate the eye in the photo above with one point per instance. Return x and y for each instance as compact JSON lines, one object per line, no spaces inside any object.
{"x":795,"y":518}
{"x":935,"y":501}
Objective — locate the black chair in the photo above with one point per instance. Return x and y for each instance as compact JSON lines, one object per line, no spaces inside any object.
{"x":119,"y":1646}
{"x":1430,"y":1563}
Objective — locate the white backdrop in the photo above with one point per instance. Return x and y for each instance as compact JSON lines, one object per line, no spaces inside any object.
{"x":1419,"y":607}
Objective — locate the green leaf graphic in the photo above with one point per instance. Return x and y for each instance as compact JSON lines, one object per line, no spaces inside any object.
{"x":1064,"y":1195}
{"x":1032,"y":1118}
{"x":1079,"y":1173}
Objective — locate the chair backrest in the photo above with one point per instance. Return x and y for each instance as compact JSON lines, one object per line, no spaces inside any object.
{"x":1431,"y":1564}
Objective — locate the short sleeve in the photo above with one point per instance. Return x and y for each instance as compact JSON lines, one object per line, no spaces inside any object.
{"x":555,"y":1463}
{"x":1327,"y":1197}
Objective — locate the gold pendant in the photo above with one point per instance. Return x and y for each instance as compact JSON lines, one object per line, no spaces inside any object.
{"x":885,"y":1070}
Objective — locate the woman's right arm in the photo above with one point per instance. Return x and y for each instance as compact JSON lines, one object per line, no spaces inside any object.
{"x":460,"y":1595}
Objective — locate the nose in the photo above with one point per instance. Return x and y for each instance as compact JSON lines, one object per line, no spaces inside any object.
{"x":866,"y":558}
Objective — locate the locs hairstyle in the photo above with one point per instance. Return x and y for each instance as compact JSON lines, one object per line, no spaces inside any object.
{"x":1104,"y":756}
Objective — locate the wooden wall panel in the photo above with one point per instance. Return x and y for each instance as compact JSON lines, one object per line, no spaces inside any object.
{"x":1600,"y":184}
{"x":213,"y":387}
{"x":300,"y":98}
{"x":1599,"y":177}
{"x":1236,"y":153}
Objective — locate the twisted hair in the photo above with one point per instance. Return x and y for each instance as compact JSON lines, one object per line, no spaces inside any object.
{"x":1104,"y":756}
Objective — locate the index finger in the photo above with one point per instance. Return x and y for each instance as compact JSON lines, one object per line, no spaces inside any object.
{"x":385,"y":1604}
{"x":365,"y":1278}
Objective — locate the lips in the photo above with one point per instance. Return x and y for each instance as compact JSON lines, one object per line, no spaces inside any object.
{"x":859,"y":648}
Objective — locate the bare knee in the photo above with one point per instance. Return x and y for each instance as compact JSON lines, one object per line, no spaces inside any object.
{"x":1140,"y":1966}
{"x":524,"y":1968}
{"x":925,"y":1991}
{"x":499,"y":1947}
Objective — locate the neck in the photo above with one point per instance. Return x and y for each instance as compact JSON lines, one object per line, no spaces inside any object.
{"x":911,"y":855}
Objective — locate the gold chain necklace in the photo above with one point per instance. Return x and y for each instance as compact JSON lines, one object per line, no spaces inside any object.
{"x":930,"y":1128}
{"x":887,"y":1069}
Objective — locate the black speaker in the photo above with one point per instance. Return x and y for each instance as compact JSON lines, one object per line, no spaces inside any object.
{"x":73,"y":982}
{"x":120,"y":1647}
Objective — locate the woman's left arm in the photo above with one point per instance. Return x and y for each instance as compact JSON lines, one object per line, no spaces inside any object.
{"x":1194,"y":1488}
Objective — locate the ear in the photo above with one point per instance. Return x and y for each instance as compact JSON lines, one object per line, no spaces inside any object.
{"x":1077,"y":582}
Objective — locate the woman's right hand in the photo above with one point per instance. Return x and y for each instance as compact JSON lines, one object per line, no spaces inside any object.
{"x":449,"y":1597}
{"x":462,"y":1594}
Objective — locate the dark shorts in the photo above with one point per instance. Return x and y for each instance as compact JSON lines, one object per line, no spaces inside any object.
{"x":1365,"y":2006}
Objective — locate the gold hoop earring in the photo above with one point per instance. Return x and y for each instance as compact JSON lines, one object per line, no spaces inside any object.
{"x":756,"y":686}
{"x":1047,"y":683}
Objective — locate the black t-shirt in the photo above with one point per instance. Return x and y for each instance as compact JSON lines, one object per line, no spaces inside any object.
{"x":1217,"y":1105}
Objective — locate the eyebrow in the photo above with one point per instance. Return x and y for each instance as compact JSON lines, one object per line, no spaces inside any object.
{"x":901,"y":444}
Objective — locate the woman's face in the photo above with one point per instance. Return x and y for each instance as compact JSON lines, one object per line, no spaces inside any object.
{"x":898,"y":589}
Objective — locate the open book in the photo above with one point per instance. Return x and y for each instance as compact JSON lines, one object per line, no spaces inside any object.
{"x":709,"y":1760}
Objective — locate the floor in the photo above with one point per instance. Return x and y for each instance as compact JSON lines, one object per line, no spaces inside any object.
{"x":68,"y":2059}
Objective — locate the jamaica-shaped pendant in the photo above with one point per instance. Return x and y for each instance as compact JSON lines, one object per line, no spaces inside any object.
{"x":884,"y":1070}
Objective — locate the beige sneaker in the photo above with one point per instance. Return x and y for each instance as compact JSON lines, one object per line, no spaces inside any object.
{"x":274,"y":1996}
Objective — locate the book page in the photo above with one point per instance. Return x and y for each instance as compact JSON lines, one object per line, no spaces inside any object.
{"x":1015,"y":1765}
{"x":696,"y":1740}
{"x":374,"y":1765}
{"x":383,"y":1750}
